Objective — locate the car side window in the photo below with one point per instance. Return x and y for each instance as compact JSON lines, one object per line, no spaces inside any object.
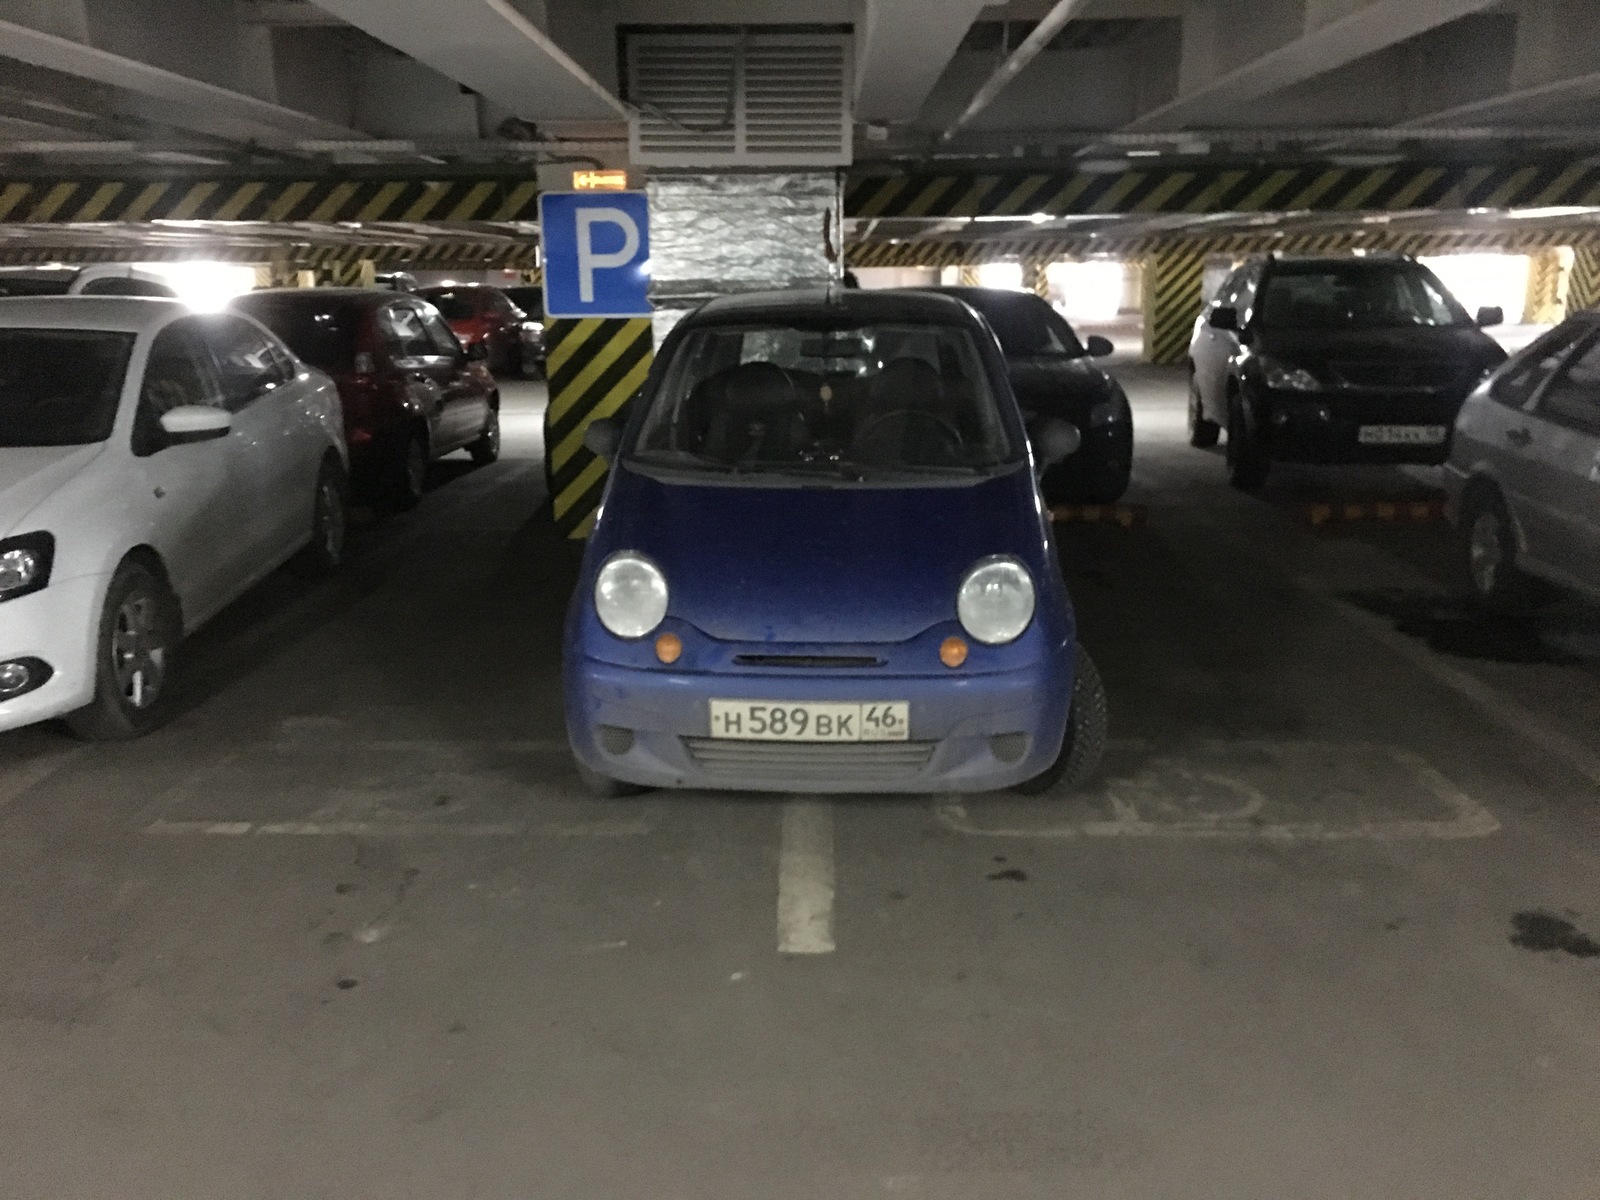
{"x":1523,"y":375}
{"x":443,"y":339}
{"x":1573,"y":397}
{"x":248,"y":365}
{"x":1229,"y":289}
{"x":177,"y":373}
{"x":403,"y":328}
{"x":1244,"y":296}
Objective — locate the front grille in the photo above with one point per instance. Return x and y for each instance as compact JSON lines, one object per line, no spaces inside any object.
{"x":806,"y":661}
{"x":1403,"y":375}
{"x":781,"y":761}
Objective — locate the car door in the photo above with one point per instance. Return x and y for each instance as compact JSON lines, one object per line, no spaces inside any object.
{"x":268,"y":441}
{"x":414,"y":355}
{"x":466,"y":387}
{"x":1216,"y":348}
{"x":1564,"y":469}
{"x":1498,"y":438}
{"x":192,"y":491}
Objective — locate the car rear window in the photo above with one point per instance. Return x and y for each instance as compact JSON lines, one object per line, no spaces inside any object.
{"x":854,"y":403}
{"x":455,"y":306}
{"x":321,"y":332}
{"x":60,"y":387}
{"x":1026,"y":326}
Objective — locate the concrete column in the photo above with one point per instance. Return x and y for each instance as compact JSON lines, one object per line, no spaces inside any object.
{"x":1033,"y":277}
{"x":366,"y":273}
{"x":1172,"y":302}
{"x":723,"y":234}
{"x":967,"y":276}
{"x":1544,"y":302}
{"x":1583,"y":290}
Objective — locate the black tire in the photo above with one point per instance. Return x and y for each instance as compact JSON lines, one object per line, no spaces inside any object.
{"x":1248,"y":460}
{"x":486,"y":449}
{"x":409,"y":475}
{"x":1487,"y":554}
{"x":603,"y":786}
{"x":1088,"y":725}
{"x":330,"y":523}
{"x":135,"y":655}
{"x":1203,"y":433}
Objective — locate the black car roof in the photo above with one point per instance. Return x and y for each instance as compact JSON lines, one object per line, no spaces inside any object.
{"x":849,"y":303}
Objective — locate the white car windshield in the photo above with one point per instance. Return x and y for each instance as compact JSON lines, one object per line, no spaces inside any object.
{"x":60,"y":387}
{"x":855,"y":402}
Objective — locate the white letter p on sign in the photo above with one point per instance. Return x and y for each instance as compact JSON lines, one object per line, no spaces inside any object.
{"x":588,"y":261}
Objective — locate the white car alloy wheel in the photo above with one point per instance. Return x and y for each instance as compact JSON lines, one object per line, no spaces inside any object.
{"x":139,"y":650}
{"x":1486,"y":555}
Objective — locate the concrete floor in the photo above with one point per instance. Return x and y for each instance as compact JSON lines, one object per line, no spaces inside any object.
{"x":348,"y":929}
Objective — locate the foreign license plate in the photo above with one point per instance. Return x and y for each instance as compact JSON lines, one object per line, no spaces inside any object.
{"x":1401,"y":435}
{"x":765,"y":721}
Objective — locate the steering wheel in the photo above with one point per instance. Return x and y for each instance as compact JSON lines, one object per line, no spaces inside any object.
{"x":948,"y":439}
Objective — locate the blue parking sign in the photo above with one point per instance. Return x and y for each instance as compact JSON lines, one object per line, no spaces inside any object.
{"x":596,"y":254}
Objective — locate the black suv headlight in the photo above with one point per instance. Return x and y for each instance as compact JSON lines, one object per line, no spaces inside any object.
{"x":25,"y":563}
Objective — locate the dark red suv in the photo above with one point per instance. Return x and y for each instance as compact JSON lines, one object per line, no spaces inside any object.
{"x":411,"y":392}
{"x":484,"y":316}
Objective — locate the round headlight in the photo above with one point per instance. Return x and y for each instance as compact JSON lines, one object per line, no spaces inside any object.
{"x":995,"y":602}
{"x":630,"y":594}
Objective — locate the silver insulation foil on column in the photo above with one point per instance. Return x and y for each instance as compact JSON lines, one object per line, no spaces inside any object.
{"x":722,"y":234}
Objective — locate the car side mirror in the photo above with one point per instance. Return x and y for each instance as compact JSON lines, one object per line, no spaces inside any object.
{"x":1224,"y":317}
{"x":1054,"y":441}
{"x":1098,"y":347}
{"x":603,"y":437}
{"x":1491,"y":314}
{"x":195,"y":423}
{"x":477,"y":352}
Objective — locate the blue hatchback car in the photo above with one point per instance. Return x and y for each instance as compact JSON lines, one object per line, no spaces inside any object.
{"x":822,"y":564}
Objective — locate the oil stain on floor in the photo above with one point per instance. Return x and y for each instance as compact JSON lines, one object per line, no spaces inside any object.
{"x":1546,"y":931}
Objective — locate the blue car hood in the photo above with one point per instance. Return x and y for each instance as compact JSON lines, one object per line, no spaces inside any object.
{"x":823,"y":564}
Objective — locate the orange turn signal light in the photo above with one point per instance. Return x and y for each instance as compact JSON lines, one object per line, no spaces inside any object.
{"x":669,"y":648}
{"x":952,"y":652}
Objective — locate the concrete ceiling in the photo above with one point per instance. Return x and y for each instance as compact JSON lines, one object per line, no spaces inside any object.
{"x":101,"y":83}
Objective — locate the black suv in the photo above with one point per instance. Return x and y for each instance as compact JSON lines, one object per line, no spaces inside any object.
{"x":1333,"y":360}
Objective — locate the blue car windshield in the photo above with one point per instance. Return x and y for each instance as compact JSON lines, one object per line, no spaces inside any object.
{"x":857,"y":403}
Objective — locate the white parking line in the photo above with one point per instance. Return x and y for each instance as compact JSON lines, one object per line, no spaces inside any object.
{"x":805,"y":879}
{"x":1514,"y":716}
{"x":465,"y":829}
{"x":1151,"y":804}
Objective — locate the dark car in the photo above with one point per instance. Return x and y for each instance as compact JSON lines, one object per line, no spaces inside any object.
{"x":821,"y":564}
{"x":484,"y":316}
{"x":530,"y":299}
{"x":1343,"y":360}
{"x":1053,"y":375}
{"x":410,"y":392}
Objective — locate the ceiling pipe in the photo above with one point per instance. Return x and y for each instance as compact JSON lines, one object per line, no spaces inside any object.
{"x":1018,"y":59}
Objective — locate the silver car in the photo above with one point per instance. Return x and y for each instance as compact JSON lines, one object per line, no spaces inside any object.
{"x":1524,"y":469}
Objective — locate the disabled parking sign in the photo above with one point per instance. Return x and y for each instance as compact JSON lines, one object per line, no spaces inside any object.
{"x":596,"y":254}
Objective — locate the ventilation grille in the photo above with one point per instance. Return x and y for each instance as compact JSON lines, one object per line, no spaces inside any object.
{"x":739,"y":99}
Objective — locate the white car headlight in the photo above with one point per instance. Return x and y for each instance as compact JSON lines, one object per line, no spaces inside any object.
{"x":25,"y":563}
{"x":630,"y":594}
{"x":1284,"y":378}
{"x":995,"y":602}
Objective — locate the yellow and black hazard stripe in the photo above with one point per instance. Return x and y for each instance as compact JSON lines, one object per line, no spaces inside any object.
{"x":594,"y":366}
{"x":32,"y":201}
{"x":1207,"y":188}
{"x":520,"y":256}
{"x":945,"y":253}
{"x":1173,"y":297}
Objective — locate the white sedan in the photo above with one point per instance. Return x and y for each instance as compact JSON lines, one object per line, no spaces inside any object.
{"x":154,"y":464}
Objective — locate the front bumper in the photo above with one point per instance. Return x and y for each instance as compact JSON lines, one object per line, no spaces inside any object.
{"x":652,"y":727}
{"x":1324,"y":427}
{"x":59,"y":625}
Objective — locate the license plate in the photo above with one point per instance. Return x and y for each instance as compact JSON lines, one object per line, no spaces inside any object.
{"x":1401,"y":435}
{"x":766,"y":721}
